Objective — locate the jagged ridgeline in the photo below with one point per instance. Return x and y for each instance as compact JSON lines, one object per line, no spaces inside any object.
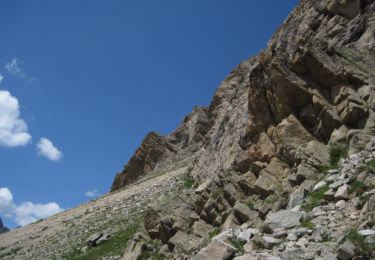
{"x":281,"y":165}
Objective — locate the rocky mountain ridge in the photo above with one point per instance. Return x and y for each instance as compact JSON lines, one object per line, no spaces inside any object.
{"x":279,"y":166}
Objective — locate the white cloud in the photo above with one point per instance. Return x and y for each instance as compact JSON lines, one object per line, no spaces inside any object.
{"x":27,"y":212}
{"x":14,"y":68}
{"x":13,"y":129}
{"x":48,"y":150}
{"x":92,"y":193}
{"x":1,"y":78}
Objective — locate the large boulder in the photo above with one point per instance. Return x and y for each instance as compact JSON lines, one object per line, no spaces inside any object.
{"x":285,"y":219}
{"x":289,"y":135}
{"x":216,"y":250}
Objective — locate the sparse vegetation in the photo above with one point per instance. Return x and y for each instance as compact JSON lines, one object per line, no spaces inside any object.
{"x":370,"y":166}
{"x":315,"y":198}
{"x":239,"y":245}
{"x":271,"y":199}
{"x":188,"y":181}
{"x":114,"y":246}
{"x":359,"y":241}
{"x":357,"y":187}
{"x":250,"y":204}
{"x":152,"y":252}
{"x":336,"y":152}
{"x":214,"y":233}
{"x":307,"y":223}
{"x":217,"y":193}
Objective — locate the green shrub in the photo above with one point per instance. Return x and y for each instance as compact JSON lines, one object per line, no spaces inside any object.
{"x":307,"y":223}
{"x":214,"y":233}
{"x":370,"y":166}
{"x":357,"y":187}
{"x":239,"y":245}
{"x":188,"y":181}
{"x":315,"y":198}
{"x":336,"y":152}
{"x":250,"y":204}
{"x":358,"y":240}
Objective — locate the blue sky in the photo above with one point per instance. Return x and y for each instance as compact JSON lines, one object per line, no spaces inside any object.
{"x":91,"y":78}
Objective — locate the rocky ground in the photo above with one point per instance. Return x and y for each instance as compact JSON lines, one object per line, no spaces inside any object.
{"x":67,"y":235}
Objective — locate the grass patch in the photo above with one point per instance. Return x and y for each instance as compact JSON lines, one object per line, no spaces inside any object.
{"x":114,"y":246}
{"x":307,"y":223}
{"x":358,"y":240}
{"x":213,"y":233}
{"x":370,"y":166}
{"x":336,"y":152}
{"x":239,"y":245}
{"x":271,"y":199}
{"x":324,"y":168}
{"x":250,"y":204}
{"x":357,"y":187}
{"x":217,"y":193}
{"x":188,"y":181}
{"x":152,"y":253}
{"x":315,"y":198}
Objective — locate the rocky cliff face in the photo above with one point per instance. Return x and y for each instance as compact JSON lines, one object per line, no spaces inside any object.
{"x":270,"y":160}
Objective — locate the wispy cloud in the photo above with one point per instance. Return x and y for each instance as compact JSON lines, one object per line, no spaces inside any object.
{"x":92,"y":193}
{"x":26,"y":212}
{"x":14,"y":68}
{"x":47,"y":149}
{"x":1,"y":78}
{"x":13,"y":129}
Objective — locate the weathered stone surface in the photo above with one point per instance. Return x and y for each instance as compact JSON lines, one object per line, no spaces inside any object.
{"x":134,"y":250}
{"x":154,"y":147}
{"x":265,"y":184}
{"x":339,"y":135}
{"x":289,"y":135}
{"x":342,"y":192}
{"x":313,"y":153}
{"x":184,"y":242}
{"x":346,"y":251}
{"x":201,"y":229}
{"x":283,"y":219}
{"x":216,"y":250}
{"x":243,"y":213}
{"x":267,"y":242}
{"x":247,"y":182}
{"x":296,"y":198}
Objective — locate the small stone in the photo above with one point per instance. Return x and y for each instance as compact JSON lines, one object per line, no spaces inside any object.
{"x":283,"y":219}
{"x":367,"y":232}
{"x":319,"y":185}
{"x":341,"y":204}
{"x":330,"y":194}
{"x":267,"y":242}
{"x":292,"y":237}
{"x":346,"y":251}
{"x":342,"y":192}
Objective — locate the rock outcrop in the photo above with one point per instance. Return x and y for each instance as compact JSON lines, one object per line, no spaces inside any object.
{"x":3,"y":229}
{"x":278,"y":129}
